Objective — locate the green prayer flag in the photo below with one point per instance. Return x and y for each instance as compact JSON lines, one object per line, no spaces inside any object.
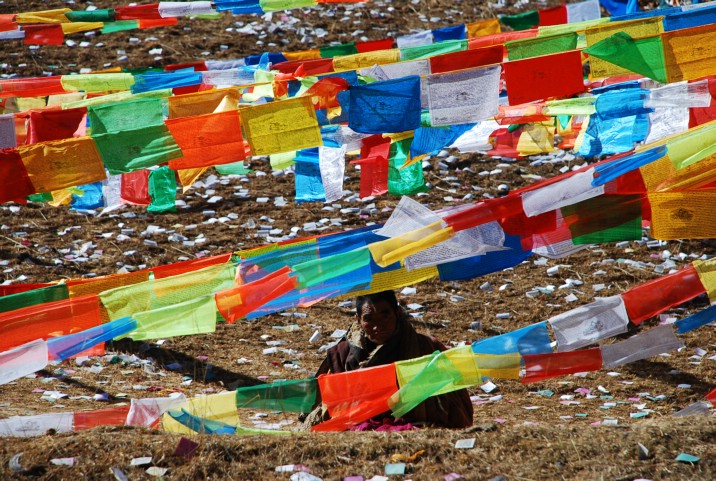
{"x":40,"y":198}
{"x":407,"y":181}
{"x":235,"y":168}
{"x":158,"y":293}
{"x":323,"y":269}
{"x":34,"y":297}
{"x":125,"y":115}
{"x":630,"y":230}
{"x":287,"y":396}
{"x":331,"y":51}
{"x":644,"y":56}
{"x":120,"y":26}
{"x":576,"y":27}
{"x":274,"y":5}
{"x":575,"y":106}
{"x":537,"y":46}
{"x":426,"y":51}
{"x":521,"y":21}
{"x":437,"y":374}
{"x":100,"y":15}
{"x":197,"y":316}
{"x":162,"y":190}
{"x":136,"y":149}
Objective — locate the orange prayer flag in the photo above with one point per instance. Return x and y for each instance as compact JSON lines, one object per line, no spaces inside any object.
{"x":201,"y":103}
{"x":116,"y":416}
{"x":47,"y":320}
{"x":483,"y":27}
{"x":207,"y":140}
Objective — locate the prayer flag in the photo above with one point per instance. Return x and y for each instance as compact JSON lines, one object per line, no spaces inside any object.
{"x":22,"y":360}
{"x":15,"y":182}
{"x":134,"y":149}
{"x":605,"y":317}
{"x":463,"y":97}
{"x":521,"y":21}
{"x":195,"y":316}
{"x":162,"y":190}
{"x":557,"y":75}
{"x":43,"y":34}
{"x":478,"y":57}
{"x":483,"y":27}
{"x":207,"y":140}
{"x":387,"y":106}
{"x":649,"y":299}
{"x":653,"y":342}
{"x":541,"y":45}
{"x":281,"y":126}
{"x":297,"y":396}
{"x":540,"y":367}
{"x":65,"y":163}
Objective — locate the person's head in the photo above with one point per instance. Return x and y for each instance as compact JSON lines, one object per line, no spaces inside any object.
{"x":378,"y":315}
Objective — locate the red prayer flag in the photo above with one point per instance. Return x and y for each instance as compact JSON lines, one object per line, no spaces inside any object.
{"x":56,"y":124}
{"x":314,"y":66}
{"x":137,"y":12}
{"x":711,"y":396}
{"x":199,"y":66}
{"x":157,"y":22}
{"x":15,"y":184}
{"x":478,"y":57}
{"x":237,"y":302}
{"x":373,"y":45}
{"x":168,"y":270}
{"x":116,"y":416}
{"x":552,"y":16}
{"x":539,"y":367}
{"x":538,"y":78}
{"x":44,"y":34}
{"x":32,"y":87}
{"x":135,"y":187}
{"x":649,"y":299}
{"x":18,"y":288}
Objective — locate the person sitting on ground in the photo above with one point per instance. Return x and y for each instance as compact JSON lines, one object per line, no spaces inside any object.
{"x":382,"y":334}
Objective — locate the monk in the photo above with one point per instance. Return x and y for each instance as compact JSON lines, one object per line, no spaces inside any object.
{"x":382,"y":334}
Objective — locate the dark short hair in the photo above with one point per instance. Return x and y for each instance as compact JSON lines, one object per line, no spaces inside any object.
{"x":383,"y":296}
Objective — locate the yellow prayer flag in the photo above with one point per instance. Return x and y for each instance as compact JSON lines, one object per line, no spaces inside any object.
{"x":536,"y":139}
{"x":43,"y":16}
{"x":281,"y":126}
{"x":499,"y":366}
{"x":187,"y":177}
{"x":77,"y":27}
{"x":690,"y":53}
{"x":483,"y":27}
{"x":217,"y":407}
{"x":634,"y":28}
{"x":117,"y":97}
{"x":96,"y":285}
{"x":391,"y":280}
{"x":60,"y":99}
{"x":205,"y":102}
{"x":398,"y":248}
{"x":366,"y":59}
{"x":62,"y":163}
{"x":105,"y":82}
{"x":29,"y":103}
{"x":302,"y":55}
{"x":683,"y":215}
{"x":707,"y":274}
{"x":61,"y":197}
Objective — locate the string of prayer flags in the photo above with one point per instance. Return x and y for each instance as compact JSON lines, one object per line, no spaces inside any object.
{"x":386,"y":106}
{"x":540,"y":367}
{"x":538,"y":78}
{"x":653,"y":342}
{"x":297,"y":396}
{"x":282,"y":126}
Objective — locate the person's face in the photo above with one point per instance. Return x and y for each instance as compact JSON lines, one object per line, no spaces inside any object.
{"x":378,"y":321}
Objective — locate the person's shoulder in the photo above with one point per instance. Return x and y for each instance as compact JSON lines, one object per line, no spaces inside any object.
{"x":430,"y":344}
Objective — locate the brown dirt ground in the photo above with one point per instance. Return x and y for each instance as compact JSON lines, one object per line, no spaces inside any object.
{"x":524,"y":435}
